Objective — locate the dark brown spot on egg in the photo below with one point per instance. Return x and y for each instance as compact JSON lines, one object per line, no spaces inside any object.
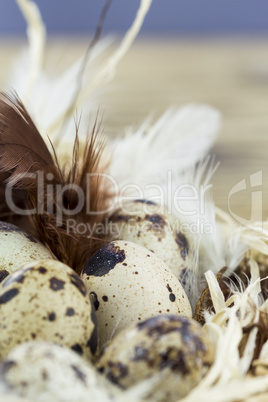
{"x":174,"y":360}
{"x":77,"y":348}
{"x":172,"y":297}
{"x":52,"y":316}
{"x":115,"y":371}
{"x":162,"y":324}
{"x":104,"y":260}
{"x":105,"y":298}
{"x":183,"y":245}
{"x":59,"y":336}
{"x":92,"y":343}
{"x":3,"y":274}
{"x":77,"y":282}
{"x":9,"y":295}
{"x":44,"y":375}
{"x":42,"y":270}
{"x":157,"y":220}
{"x":56,"y":284}
{"x":148,"y":202}
{"x":70,"y":312}
{"x":94,"y":299}
{"x":158,"y":326}
{"x":169,"y":288}
{"x":140,"y":353}
{"x":79,"y":373}
{"x":125,"y":264}
{"x":6,"y":366}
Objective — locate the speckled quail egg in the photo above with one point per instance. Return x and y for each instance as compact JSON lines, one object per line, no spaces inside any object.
{"x":43,"y":371}
{"x":128,"y":284}
{"x":18,"y":248}
{"x":148,"y":224}
{"x":7,"y":395}
{"x":46,"y":300}
{"x":174,"y":347}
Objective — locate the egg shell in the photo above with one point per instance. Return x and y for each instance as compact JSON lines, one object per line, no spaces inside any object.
{"x":43,"y":371}
{"x":8,"y":396}
{"x":128,"y":284}
{"x":48,"y":301}
{"x":173,"y":346}
{"x":148,"y":224}
{"x":18,"y":248}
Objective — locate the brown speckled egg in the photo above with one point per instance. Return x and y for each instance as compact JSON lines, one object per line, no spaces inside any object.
{"x":146,"y":223}
{"x":18,"y":248}
{"x":48,"y":301}
{"x":173,"y":346}
{"x":8,"y":396}
{"x":43,"y":371}
{"x":128,"y":283}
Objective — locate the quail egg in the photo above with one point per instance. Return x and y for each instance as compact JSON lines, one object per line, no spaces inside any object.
{"x":46,"y":300}
{"x":8,"y":396}
{"x":146,"y":223}
{"x":174,"y":348}
{"x":128,"y":283}
{"x":43,"y":371}
{"x":17,"y":248}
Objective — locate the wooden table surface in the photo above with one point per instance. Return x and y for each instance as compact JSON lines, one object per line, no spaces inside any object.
{"x":229,"y":74}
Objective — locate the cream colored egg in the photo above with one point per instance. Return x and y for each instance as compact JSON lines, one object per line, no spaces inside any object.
{"x":47,"y":301}
{"x":18,"y":248}
{"x":129,"y":283}
{"x":173,"y":347}
{"x":43,"y":371}
{"x":146,"y":223}
{"x":8,"y":395}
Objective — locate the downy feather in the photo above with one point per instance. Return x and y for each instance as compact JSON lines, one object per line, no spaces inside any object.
{"x":177,"y":141}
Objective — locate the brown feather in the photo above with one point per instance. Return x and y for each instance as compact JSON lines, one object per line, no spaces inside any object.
{"x":22,"y":150}
{"x":76,"y":248}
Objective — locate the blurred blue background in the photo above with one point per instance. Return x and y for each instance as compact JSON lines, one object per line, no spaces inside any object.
{"x":166,"y":17}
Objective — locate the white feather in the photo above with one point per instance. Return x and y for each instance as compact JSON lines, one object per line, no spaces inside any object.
{"x":51,"y":95}
{"x":214,"y":245}
{"x":36,"y":32}
{"x":176,"y":142}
